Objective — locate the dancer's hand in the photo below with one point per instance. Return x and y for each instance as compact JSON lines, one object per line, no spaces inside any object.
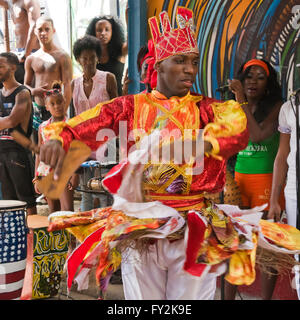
{"x":53,"y":154}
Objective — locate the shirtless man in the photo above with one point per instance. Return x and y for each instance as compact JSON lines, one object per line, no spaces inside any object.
{"x":50,"y":63}
{"x":24,"y":14}
{"x":15,"y":112}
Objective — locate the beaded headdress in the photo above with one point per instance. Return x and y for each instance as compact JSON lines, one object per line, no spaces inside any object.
{"x":171,"y":41}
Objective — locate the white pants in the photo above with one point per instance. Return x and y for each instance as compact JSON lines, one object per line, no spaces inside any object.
{"x":158,"y":275}
{"x":291,"y":213}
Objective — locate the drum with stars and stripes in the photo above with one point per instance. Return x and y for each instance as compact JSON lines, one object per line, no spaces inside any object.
{"x":13,"y":248}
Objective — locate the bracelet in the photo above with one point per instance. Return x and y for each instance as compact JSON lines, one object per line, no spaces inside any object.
{"x":36,"y":179}
{"x":243,"y":103}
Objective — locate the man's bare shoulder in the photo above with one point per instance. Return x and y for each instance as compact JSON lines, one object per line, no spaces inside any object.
{"x":23,"y":97}
{"x":63,"y":59}
{"x":37,"y":54}
{"x":34,"y":57}
{"x":41,"y":54}
{"x":62,"y":54}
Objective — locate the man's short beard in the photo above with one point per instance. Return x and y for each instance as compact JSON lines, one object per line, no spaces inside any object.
{"x":5,"y":77}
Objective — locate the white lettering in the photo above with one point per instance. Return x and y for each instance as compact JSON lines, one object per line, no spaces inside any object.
{"x":156,"y":307}
{"x":165,"y":147}
{"x":119,"y":310}
{"x":105,"y":153}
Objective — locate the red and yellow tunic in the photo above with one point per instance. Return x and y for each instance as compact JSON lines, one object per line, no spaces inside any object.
{"x":224,"y":126}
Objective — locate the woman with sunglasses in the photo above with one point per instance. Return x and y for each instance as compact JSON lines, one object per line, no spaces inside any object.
{"x":55,"y":104}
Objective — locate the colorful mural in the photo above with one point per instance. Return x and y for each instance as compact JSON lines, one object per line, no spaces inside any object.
{"x":229,"y":32}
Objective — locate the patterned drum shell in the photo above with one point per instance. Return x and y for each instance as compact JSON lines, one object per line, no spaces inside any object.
{"x":46,"y":257}
{"x":13,"y":248}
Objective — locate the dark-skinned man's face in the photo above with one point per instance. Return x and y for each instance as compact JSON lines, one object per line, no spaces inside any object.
{"x":177,"y":74}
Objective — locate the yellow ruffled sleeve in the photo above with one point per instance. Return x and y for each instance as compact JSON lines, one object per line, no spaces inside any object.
{"x":228,"y":132}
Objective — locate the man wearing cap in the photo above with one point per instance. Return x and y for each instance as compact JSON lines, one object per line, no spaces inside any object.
{"x":169,"y":268}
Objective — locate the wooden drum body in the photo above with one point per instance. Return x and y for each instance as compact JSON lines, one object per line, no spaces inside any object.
{"x":13,"y":248}
{"x":47,"y":254}
{"x":231,"y":194}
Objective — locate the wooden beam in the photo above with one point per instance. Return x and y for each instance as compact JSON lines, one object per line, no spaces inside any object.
{"x":6,"y":29}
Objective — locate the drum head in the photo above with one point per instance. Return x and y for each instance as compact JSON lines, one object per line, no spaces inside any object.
{"x":11,"y":204}
{"x":36,"y":221}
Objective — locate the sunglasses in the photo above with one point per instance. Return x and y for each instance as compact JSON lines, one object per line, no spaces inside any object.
{"x":52,"y":92}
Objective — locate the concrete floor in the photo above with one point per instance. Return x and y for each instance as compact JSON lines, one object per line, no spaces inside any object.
{"x":115,"y":292}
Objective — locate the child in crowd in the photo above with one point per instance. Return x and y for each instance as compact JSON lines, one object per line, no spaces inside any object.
{"x":55,"y":104}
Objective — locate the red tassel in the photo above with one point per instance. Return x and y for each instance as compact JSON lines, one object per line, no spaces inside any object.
{"x":79,"y":253}
{"x":197,"y":229}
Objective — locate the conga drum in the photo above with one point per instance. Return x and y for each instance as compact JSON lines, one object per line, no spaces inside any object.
{"x":92,"y":173}
{"x":232,"y":194}
{"x":46,"y":257}
{"x":13,"y":248}
{"x":90,"y":169}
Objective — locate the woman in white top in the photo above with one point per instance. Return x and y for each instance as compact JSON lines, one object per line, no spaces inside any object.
{"x":285,"y":166}
{"x":284,"y":173}
{"x":92,"y":87}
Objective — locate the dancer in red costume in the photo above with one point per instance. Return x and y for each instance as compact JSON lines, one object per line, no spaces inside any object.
{"x":182,"y":242}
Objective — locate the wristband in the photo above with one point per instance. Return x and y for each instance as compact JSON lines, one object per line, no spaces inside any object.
{"x":36,"y":179}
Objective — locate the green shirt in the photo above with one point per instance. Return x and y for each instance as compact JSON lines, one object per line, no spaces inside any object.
{"x":258,"y":157}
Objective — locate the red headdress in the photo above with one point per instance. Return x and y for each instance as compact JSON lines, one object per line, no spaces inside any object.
{"x":173,"y":41}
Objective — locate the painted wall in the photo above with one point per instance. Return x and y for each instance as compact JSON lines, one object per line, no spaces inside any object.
{"x":230,"y":32}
